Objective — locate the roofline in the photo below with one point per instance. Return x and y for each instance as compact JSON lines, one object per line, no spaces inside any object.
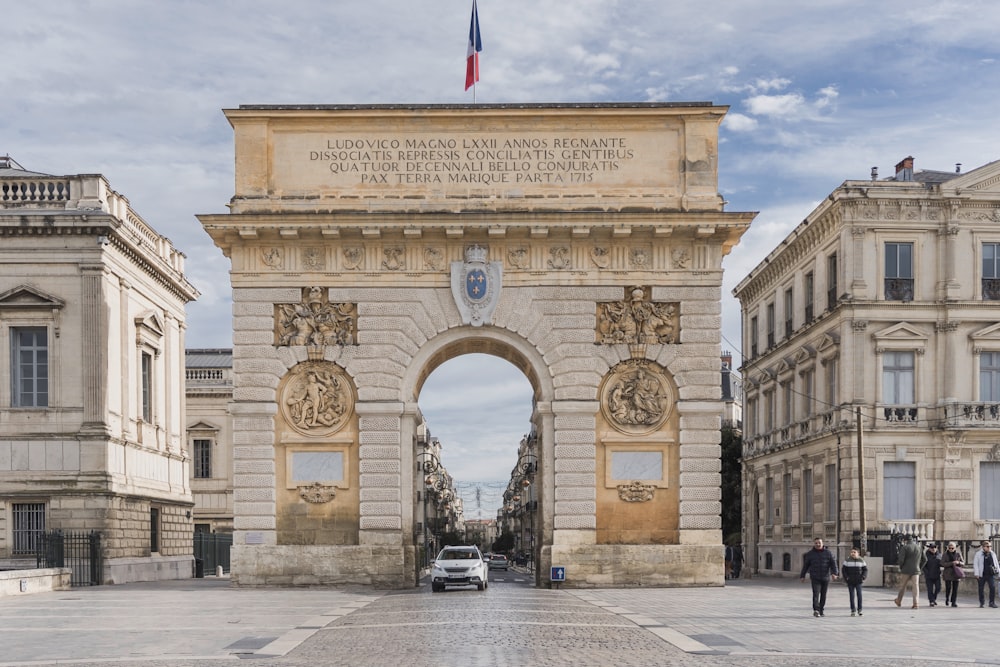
{"x":472,"y":107}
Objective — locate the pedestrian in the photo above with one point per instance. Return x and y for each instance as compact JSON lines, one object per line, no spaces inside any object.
{"x":952,"y":571}
{"x":855,"y":571}
{"x":932,"y":574}
{"x":911,"y":562}
{"x":737,"y":560}
{"x":729,"y":561}
{"x":821,"y":565}
{"x":986,"y":568}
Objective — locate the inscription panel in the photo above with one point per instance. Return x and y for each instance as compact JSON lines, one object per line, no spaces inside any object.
{"x":374,"y":162}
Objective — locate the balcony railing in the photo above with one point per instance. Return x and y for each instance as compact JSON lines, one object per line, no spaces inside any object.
{"x":899,"y":289}
{"x":34,"y":191}
{"x":921,"y":529}
{"x":900,"y":415}
{"x":991,"y":289}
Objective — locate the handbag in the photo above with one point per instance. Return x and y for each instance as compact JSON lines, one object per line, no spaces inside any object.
{"x":959,"y":571}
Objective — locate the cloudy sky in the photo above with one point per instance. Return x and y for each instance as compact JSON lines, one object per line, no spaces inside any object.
{"x":819,"y":93}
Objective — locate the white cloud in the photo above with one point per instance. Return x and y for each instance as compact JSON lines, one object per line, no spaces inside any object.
{"x":789,"y":105}
{"x":737,"y":122}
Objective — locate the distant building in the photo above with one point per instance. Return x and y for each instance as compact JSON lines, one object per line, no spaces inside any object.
{"x":92,"y":410}
{"x":883,"y":303}
{"x":732,"y":396}
{"x":209,"y":388}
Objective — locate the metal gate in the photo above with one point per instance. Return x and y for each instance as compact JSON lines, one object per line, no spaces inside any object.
{"x":80,"y":552}
{"x":211,"y":550}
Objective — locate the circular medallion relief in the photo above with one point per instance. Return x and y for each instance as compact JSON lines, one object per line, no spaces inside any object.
{"x":316,"y":398}
{"x":636,"y":398}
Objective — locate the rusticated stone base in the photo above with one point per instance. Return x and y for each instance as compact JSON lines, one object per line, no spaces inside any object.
{"x":389,"y":567}
{"x":635,"y":565}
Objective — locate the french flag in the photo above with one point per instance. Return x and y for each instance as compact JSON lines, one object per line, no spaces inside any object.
{"x":475,"y":46}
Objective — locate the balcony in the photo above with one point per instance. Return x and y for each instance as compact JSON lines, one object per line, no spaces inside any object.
{"x":971,"y":415}
{"x":899,"y":415}
{"x":899,"y":289}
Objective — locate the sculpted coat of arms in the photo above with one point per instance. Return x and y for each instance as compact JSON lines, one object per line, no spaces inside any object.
{"x":475,"y":284}
{"x":315,"y":321}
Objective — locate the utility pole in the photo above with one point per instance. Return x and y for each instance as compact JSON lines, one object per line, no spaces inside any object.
{"x":861,"y":486}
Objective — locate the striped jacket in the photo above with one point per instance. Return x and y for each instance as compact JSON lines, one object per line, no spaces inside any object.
{"x":855,"y":570}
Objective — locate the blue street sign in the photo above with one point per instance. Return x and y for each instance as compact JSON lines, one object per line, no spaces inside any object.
{"x":558,"y":574}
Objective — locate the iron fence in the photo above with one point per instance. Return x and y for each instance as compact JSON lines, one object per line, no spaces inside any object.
{"x":79,"y":551}
{"x":211,"y":550}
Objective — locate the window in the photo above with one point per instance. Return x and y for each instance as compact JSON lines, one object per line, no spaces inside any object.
{"x":789,"y":312}
{"x":770,"y":325}
{"x":807,"y":495}
{"x":769,"y":501}
{"x":809,"y":286}
{"x":991,"y":271}
{"x":808,"y":378}
{"x":29,"y":363}
{"x":831,"y":383}
{"x":786,"y":483}
{"x":769,"y":411}
{"x":147,"y":387}
{"x":787,"y":396}
{"x":900,"y":483}
{"x":989,"y":376}
{"x":202,"y":458}
{"x":831,"y":281}
{"x":29,"y":525}
{"x":897,"y":378}
{"x":831,"y":493}
{"x":989,"y":490}
{"x":754,"y":336}
{"x":154,"y":529}
{"x":899,"y":271}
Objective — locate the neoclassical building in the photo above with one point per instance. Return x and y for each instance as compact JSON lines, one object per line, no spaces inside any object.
{"x":208,"y":387}
{"x":872,"y":367}
{"x":370,"y":244}
{"x":92,"y":432}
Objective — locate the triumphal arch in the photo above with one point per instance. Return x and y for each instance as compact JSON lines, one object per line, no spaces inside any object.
{"x":581,"y":242}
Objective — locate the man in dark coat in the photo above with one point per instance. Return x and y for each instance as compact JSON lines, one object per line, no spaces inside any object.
{"x":821,"y":565}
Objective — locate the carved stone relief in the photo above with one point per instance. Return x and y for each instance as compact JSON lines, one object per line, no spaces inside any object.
{"x":394,"y":260}
{"x":636,"y":397}
{"x":560,"y":258}
{"x":354,"y":258}
{"x":315,"y":321}
{"x":317,"y":493}
{"x":272,"y":257}
{"x":637,"y":320}
{"x":313,"y":260}
{"x":636,"y":492}
{"x":519,"y":258}
{"x":433,"y":258}
{"x":316,"y":398}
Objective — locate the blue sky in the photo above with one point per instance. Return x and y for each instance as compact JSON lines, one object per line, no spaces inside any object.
{"x":819,"y":93}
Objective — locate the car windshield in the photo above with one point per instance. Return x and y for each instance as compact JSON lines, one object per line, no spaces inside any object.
{"x":457,"y":554}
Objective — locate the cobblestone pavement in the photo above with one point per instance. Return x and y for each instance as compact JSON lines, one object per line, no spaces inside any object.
{"x":750,"y":623}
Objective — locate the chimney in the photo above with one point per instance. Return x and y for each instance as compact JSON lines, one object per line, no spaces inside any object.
{"x":727,"y":360}
{"x":904,"y":169}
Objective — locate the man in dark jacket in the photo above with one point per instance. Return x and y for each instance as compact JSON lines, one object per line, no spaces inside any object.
{"x":932,"y":574}
{"x":821,"y":565}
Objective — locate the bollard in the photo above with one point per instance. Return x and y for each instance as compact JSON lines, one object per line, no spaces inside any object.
{"x":218,"y":570}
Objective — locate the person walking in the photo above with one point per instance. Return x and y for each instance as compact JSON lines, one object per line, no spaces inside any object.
{"x":821,"y":565}
{"x":911,"y":562}
{"x":737,"y":560}
{"x":952,"y":572}
{"x":855,"y":571}
{"x":932,"y":573}
{"x":986,"y":568}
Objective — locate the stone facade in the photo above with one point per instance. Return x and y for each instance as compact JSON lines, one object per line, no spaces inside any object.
{"x":92,"y":437}
{"x":875,"y":320}
{"x":209,"y":389}
{"x":581,"y":243}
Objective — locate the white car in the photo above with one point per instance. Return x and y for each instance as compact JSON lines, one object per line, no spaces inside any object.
{"x":459,"y":566}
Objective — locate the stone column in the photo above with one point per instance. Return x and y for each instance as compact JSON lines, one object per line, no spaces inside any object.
{"x":95,"y":336}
